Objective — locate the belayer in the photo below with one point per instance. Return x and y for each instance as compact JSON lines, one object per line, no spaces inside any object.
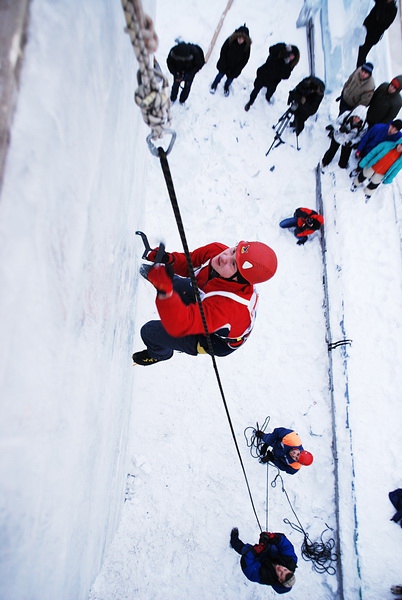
{"x":287,"y":451}
{"x":270,"y":562}
{"x":225,"y":278}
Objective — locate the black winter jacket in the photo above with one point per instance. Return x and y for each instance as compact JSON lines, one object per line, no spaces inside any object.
{"x":312,"y":89}
{"x":275,"y":68}
{"x":234,"y":56}
{"x":384,"y":107}
{"x":185,"y":59}
{"x":380,"y":17}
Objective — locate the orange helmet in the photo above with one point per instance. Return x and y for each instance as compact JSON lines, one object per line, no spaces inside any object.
{"x":256,"y":261}
{"x":306,"y":458}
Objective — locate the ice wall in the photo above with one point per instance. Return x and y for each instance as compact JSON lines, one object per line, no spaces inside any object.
{"x":72,"y":191}
{"x":341,"y":34}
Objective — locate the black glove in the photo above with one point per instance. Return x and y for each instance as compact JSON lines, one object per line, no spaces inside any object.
{"x":167,"y":259}
{"x":269,"y":457}
{"x":301,"y":242}
{"x":269,"y":538}
{"x":343,"y":129}
{"x":234,"y":536}
{"x":259,"y":434}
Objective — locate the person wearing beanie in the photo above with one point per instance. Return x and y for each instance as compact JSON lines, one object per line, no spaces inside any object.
{"x":279,"y":65}
{"x":272,"y":561}
{"x":381,"y":16}
{"x":184,"y":61}
{"x":358,"y":89}
{"x":225,"y":278}
{"x":287,"y":451}
{"x":234,"y":56}
{"x":347,"y":131}
{"x":381,"y":165}
{"x":386,"y":102}
{"x":305,"y":221}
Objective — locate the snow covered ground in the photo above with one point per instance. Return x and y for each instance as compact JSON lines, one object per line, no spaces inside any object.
{"x":69,"y":208}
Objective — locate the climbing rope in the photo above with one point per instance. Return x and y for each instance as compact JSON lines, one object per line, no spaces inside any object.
{"x":176,"y":211}
{"x":152,"y":94}
{"x":320,"y":553}
{"x":154,"y":103}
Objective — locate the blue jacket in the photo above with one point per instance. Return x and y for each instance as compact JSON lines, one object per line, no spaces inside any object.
{"x":377,"y":134}
{"x":258,"y":562}
{"x":376,"y":154}
{"x":282,"y":441}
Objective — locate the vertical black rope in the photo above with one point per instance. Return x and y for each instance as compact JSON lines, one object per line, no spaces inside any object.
{"x":176,"y":211}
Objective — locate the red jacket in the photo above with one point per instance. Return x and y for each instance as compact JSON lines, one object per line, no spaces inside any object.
{"x":230,"y":316}
{"x":302,"y":214}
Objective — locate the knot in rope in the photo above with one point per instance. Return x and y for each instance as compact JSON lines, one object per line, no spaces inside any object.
{"x":152,"y":94}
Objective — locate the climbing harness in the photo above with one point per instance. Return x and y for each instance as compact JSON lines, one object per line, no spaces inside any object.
{"x":153,"y":99}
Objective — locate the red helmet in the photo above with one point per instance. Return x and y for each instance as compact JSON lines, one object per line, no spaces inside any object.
{"x":306,"y":458}
{"x":256,"y":261}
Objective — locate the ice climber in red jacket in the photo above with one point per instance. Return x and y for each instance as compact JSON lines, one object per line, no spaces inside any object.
{"x":225,"y":277}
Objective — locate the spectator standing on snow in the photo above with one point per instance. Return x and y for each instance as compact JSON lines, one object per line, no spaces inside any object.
{"x":382,"y":164}
{"x":272,"y":561}
{"x":358,"y":89}
{"x":375,"y":135}
{"x":184,"y":61}
{"x":386,"y":102}
{"x":279,"y":65}
{"x":381,"y":16}
{"x":225,"y":278}
{"x":347,"y":132}
{"x":287,"y":451}
{"x":305,"y":221}
{"x":234,"y":56}
{"x":307,"y":95}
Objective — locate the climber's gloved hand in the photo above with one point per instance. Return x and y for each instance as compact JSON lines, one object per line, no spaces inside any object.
{"x":161,"y":277}
{"x":167,"y":258}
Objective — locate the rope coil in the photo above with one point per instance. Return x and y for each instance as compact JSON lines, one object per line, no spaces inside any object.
{"x":152,"y":95}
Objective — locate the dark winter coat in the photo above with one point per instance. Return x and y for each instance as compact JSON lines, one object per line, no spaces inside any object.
{"x":275,"y":67}
{"x":185,"y":60}
{"x":234,"y":56}
{"x":384,"y":107}
{"x":282,"y":441}
{"x":374,"y":136}
{"x":380,"y":17}
{"x":396,"y":499}
{"x":312,"y":90}
{"x":308,"y":221}
{"x":257,"y":562}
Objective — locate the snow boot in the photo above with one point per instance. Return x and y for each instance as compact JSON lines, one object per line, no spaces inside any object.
{"x":212,"y":89}
{"x":247,"y":107}
{"x":142,"y":358}
{"x":396,"y":589}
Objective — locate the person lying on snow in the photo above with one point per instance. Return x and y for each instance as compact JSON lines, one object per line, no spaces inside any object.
{"x":287,"y":451}
{"x":305,"y":221}
{"x":225,"y":277}
{"x":270,"y":562}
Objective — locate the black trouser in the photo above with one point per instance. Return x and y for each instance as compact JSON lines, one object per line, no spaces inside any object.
{"x":372,"y":38}
{"x":271,"y":87}
{"x":188,"y":80}
{"x":332,"y":150}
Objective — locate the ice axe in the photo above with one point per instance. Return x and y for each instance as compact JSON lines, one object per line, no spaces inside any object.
{"x":144,"y":269}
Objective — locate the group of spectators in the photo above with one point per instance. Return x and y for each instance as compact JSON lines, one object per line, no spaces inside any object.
{"x":366,"y":122}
